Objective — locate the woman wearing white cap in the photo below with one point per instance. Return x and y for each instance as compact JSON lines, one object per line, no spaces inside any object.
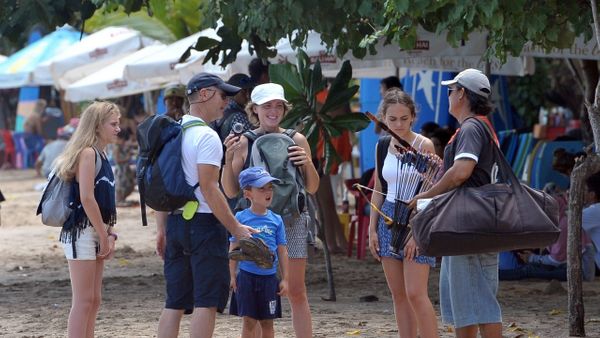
{"x":468,"y":284}
{"x":267,"y":107}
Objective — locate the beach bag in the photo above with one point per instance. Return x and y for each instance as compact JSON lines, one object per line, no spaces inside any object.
{"x":159,"y":172}
{"x":270,"y":151}
{"x":490,"y":218}
{"x":57,"y":201}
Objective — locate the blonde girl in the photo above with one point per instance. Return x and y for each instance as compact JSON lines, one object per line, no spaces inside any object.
{"x":87,"y":235}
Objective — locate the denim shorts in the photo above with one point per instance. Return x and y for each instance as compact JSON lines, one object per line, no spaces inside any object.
{"x":468,"y":287}
{"x":196,"y":264}
{"x":256,"y":296}
{"x":385,"y":237}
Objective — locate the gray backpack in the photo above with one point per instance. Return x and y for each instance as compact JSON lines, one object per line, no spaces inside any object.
{"x":270,"y":151}
{"x":56,"y":202}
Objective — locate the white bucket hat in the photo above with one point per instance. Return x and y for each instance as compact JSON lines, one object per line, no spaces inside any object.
{"x":472,"y":79}
{"x":266,"y":92}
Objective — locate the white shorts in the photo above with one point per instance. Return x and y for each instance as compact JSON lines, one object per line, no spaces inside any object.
{"x":86,"y":245}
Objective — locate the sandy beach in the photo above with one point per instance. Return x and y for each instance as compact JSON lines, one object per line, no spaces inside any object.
{"x":35,"y":289}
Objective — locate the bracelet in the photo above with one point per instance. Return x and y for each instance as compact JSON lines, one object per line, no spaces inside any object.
{"x":114,"y":235}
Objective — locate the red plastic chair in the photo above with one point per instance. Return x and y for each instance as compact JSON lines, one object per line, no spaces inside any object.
{"x":359,"y":224}
{"x":9,"y":148}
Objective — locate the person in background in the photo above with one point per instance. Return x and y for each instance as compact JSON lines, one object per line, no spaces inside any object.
{"x":259,"y":71}
{"x":234,"y":112}
{"x":44,"y":163}
{"x":469,"y":283}
{"x":87,"y":236}
{"x":406,"y":273}
{"x":33,"y":123}
{"x":124,"y":173}
{"x":428,"y":128}
{"x":440,"y":138}
{"x":174,"y":99}
{"x":590,"y":221}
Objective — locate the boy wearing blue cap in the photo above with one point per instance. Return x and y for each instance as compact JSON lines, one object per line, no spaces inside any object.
{"x":257,"y":291}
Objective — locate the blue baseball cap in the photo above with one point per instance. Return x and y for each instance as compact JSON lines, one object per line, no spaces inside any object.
{"x":256,"y":177}
{"x":205,"y":80}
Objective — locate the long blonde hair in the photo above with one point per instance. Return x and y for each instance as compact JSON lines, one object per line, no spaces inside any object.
{"x":86,"y":135}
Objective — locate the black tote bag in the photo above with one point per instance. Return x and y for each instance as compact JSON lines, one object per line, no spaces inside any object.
{"x":490,"y":218}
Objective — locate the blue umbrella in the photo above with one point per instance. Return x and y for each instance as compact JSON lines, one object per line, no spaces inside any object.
{"x":16,"y":70}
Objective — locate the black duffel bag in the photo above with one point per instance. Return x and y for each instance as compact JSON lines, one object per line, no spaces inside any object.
{"x":490,"y":218}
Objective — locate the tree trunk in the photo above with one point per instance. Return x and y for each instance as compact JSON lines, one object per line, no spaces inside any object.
{"x":330,"y":221}
{"x":590,"y":76}
{"x":574,"y":274}
{"x":322,"y":235}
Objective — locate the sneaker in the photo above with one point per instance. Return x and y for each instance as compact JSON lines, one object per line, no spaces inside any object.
{"x":257,"y":251}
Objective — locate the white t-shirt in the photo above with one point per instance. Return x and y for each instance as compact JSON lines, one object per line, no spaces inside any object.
{"x":200,"y":145}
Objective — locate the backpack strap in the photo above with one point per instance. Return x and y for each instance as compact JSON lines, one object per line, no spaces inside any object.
{"x":382,"y":149}
{"x":290,"y":133}
{"x":98,"y":162}
{"x":251,"y":135}
{"x":193,"y":123}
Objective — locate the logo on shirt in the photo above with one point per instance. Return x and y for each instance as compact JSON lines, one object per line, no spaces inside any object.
{"x":265,"y":229}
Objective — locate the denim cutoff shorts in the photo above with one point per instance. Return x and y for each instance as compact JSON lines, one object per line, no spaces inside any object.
{"x":385,"y":237}
{"x":468,"y":288}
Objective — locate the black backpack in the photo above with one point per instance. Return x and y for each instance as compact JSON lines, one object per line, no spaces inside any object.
{"x":160,"y":176}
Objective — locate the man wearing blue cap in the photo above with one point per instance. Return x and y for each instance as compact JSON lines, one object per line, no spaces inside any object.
{"x":193,"y":243}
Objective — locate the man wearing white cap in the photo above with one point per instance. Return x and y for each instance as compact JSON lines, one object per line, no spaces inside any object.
{"x":469,"y":283}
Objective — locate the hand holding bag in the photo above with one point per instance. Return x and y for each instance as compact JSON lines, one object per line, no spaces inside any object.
{"x":490,"y":218}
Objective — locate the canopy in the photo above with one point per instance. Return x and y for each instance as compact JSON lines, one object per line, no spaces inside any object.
{"x":160,"y":66}
{"x":2,"y":58}
{"x":431,"y":52}
{"x":17,"y":70}
{"x":90,"y":54}
{"x":110,"y":82}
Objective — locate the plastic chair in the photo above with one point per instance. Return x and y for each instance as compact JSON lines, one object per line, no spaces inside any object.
{"x":359,"y":223}
{"x":9,"y":147}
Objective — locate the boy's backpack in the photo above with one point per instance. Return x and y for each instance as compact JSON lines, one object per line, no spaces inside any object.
{"x":160,"y":176}
{"x":57,"y":201}
{"x":270,"y":151}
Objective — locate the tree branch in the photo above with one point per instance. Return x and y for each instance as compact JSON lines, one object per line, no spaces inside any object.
{"x":597,"y":33}
{"x":577,"y":78}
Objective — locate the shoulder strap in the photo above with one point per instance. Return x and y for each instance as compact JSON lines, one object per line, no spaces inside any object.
{"x":251,"y":135}
{"x":98,"y":162}
{"x":193,"y":123}
{"x":382,"y":150}
{"x":290,"y":132}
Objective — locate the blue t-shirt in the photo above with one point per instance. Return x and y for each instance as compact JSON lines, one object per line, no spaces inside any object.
{"x":272,"y":232}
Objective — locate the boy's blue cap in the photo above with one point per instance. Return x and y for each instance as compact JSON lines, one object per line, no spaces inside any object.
{"x":256,"y":177}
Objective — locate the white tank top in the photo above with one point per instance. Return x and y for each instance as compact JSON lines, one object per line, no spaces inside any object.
{"x":395,"y":171}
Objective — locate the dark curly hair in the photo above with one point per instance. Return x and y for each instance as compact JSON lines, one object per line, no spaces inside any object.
{"x":593,"y":184}
{"x":479,"y":105}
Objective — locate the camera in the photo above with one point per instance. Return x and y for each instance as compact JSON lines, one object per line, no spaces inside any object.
{"x":237,"y":129}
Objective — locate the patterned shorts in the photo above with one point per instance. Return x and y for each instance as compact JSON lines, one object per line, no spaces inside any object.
{"x":385,"y":237}
{"x":296,"y":234}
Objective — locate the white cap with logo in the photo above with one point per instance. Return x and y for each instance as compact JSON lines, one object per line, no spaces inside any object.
{"x":472,"y":79}
{"x":267,"y":92}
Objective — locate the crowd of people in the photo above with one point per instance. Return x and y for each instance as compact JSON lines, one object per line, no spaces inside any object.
{"x":221,"y":237}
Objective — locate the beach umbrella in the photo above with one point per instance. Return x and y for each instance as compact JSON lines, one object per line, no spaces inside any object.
{"x":17,"y":70}
{"x":110,"y":82}
{"x":92,"y":53}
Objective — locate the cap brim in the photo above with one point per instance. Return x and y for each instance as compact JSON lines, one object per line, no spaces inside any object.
{"x":271,"y":98}
{"x":261,"y":182}
{"x":229,"y":89}
{"x":449,"y":82}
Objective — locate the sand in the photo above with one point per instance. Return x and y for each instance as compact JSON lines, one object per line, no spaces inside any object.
{"x":35,"y":289}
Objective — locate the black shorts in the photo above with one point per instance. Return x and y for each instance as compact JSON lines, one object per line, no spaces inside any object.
{"x":196,"y":264}
{"x":256,"y":296}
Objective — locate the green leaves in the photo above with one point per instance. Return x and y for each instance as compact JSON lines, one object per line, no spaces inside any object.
{"x":301,"y":84}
